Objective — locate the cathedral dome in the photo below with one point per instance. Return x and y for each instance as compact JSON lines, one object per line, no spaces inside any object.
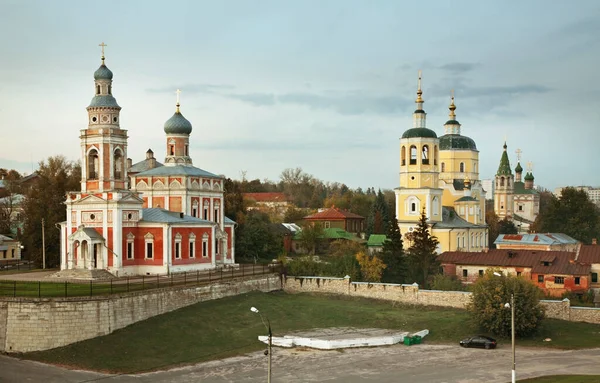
{"x":178,"y":124}
{"x":456,"y":141}
{"x":519,"y":168}
{"x":529,"y":176}
{"x":103,"y":73}
{"x":419,"y":133}
{"x":104,"y":101}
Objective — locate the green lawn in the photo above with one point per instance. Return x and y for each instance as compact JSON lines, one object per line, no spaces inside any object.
{"x":226,"y":327}
{"x":564,"y":379}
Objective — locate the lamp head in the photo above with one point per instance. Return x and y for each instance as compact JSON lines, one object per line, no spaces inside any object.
{"x":254,"y":309}
{"x":497,"y":274}
{"x":507,"y":305}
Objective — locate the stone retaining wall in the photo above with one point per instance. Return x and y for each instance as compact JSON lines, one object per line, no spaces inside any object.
{"x":34,"y":324}
{"x":412,"y":295}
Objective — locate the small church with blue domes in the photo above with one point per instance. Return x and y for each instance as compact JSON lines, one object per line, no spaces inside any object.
{"x":143,"y":218}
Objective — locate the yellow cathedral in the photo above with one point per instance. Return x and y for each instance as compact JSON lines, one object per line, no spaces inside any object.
{"x":440,"y":175}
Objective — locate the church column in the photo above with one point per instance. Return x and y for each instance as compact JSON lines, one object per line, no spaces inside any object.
{"x":71,"y":255}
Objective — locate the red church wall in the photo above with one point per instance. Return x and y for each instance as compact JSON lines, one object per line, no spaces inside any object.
{"x":139,"y":246}
{"x":175,"y":204}
{"x":158,"y":202}
{"x":185,"y":245}
{"x":109,"y":241}
{"x":229,"y":243}
{"x":145,"y":205}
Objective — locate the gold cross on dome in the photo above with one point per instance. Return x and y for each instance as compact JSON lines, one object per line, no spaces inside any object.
{"x":178,"y":91}
{"x":102,"y":45}
{"x":518,"y":151}
{"x":530,"y":166}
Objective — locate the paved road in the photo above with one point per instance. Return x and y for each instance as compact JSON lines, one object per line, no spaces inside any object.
{"x":416,"y":364}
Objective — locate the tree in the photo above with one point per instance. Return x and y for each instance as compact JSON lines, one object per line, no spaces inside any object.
{"x":310,"y":236}
{"x":255,"y":238}
{"x":491,"y":219}
{"x":507,"y":227}
{"x":422,"y":255}
{"x":572,"y":214}
{"x":234,"y":201}
{"x":491,"y":293}
{"x":392,"y":255}
{"x":447,"y":283}
{"x":371,"y":266}
{"x":379,"y":216}
{"x":45,"y":200}
{"x":294,"y":215}
{"x":343,"y":247}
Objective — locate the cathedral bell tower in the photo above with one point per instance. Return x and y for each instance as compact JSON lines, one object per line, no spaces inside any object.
{"x":504,"y":193}
{"x":103,"y":143}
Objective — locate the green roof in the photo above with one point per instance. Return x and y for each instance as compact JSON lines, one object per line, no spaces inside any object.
{"x":529,"y":176}
{"x":452,"y":122}
{"x":376,"y":240}
{"x":419,"y":132}
{"x":466,"y":199}
{"x":456,"y":141}
{"x":332,"y":233}
{"x":504,"y":168}
{"x":519,"y":188}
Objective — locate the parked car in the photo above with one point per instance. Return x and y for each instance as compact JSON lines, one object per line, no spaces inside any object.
{"x":479,"y":341}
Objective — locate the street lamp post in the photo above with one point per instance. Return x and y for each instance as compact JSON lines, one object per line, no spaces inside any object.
{"x":511,"y":305}
{"x":270,"y":344}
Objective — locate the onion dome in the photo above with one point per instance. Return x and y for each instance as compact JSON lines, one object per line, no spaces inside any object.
{"x":103,"y":73}
{"x":529,"y":176}
{"x":519,"y":168}
{"x":456,"y":141}
{"x":419,"y":132}
{"x":178,"y":124}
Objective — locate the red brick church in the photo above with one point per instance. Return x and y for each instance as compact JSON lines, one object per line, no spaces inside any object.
{"x":158,"y":219}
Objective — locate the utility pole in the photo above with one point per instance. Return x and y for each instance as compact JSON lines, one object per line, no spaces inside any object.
{"x":43,"y":246}
{"x":512,"y":322}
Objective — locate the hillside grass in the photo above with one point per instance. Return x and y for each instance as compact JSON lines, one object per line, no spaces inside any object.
{"x":226,"y":327}
{"x":564,"y":379}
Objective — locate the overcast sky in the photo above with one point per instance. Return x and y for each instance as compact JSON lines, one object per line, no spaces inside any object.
{"x":328,"y":86}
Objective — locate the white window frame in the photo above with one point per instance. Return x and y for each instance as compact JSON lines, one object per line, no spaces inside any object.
{"x":192,"y":249}
{"x":327,"y":224}
{"x":205,"y":246}
{"x":205,"y":212}
{"x":177,"y":249}
{"x":217,"y":209}
{"x":408,"y":207}
{"x":130,"y":241}
{"x":149,"y":240}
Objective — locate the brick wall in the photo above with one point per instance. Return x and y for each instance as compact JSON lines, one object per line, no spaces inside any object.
{"x":412,"y":295}
{"x":33,"y":324}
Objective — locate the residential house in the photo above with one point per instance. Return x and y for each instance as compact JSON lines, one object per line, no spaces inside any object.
{"x":555,"y":272}
{"x":590,"y":254}
{"x":375,"y":243}
{"x":10,"y":249}
{"x":335,"y":218}
{"x":537,"y":241}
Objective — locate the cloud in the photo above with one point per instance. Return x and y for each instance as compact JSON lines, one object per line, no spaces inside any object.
{"x":293,"y":144}
{"x":193,"y":88}
{"x":516,"y":90}
{"x":459,"y":67}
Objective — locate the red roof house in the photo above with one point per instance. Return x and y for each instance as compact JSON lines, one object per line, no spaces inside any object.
{"x":334,"y":217}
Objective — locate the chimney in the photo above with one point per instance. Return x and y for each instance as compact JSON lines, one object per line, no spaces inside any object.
{"x":128,"y":163}
{"x":594,"y":241}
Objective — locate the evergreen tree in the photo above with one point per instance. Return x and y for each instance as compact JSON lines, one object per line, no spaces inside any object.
{"x":422,"y":255}
{"x":379,"y":217}
{"x":393,"y":255}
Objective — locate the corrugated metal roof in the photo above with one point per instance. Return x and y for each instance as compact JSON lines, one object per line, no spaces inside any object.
{"x":376,"y":240}
{"x":178,"y":170}
{"x":589,"y":254}
{"x":144,"y":165}
{"x":333,"y":213}
{"x":535,"y":239}
{"x":560,"y":264}
{"x":160,"y":215}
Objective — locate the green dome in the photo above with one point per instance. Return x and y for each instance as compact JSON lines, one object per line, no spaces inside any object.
{"x":452,"y":122}
{"x":178,"y":125}
{"x":103,"y":73}
{"x":104,"y":101}
{"x":419,"y":132}
{"x":519,"y":169}
{"x":529,"y":177}
{"x":456,"y":141}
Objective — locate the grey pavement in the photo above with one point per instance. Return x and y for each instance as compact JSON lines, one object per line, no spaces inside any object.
{"x":419,"y":364}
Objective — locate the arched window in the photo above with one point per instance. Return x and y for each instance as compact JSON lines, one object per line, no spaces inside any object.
{"x":501,"y":181}
{"x":93,"y":165}
{"x":443,"y":167}
{"x":425,"y":155}
{"x":462,"y":167}
{"x":186,"y":150}
{"x":171,"y":150}
{"x":435,"y":155}
{"x":413,"y":155}
{"x":403,"y":151}
{"x":98,"y":89}
{"x":412,"y":205}
{"x":118,"y":165}
{"x":507,"y":181}
{"x":110,"y":89}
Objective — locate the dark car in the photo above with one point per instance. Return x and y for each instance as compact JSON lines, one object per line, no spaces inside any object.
{"x":479,"y":341}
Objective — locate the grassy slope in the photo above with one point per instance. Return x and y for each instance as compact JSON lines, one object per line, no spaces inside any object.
{"x":564,"y":379}
{"x":227,"y":327}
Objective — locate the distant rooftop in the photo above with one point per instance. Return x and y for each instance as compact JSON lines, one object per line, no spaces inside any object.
{"x":535,"y":239}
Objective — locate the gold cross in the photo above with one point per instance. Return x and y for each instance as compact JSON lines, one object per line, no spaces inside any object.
{"x":530,"y":166}
{"x":518,"y":151}
{"x":102,"y":45}
{"x":178,"y":91}
{"x":419,"y":79}
{"x":452,"y":93}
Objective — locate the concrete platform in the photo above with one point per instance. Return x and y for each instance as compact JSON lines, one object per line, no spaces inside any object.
{"x":341,"y":337}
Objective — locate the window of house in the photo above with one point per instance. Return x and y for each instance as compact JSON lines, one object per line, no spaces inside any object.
{"x":465,"y":273}
{"x":217,"y":215}
{"x":149,"y":239}
{"x":195,"y":211}
{"x":546,"y":263}
{"x":559,"y":280}
{"x":413,"y":155}
{"x":403,"y":155}
{"x":462,"y":167}
{"x":205,"y":245}
{"x":594,"y":277}
{"x":481,"y":273}
{"x":518,"y":273}
{"x":192,"y":245}
{"x":206,"y":211}
{"x":327,"y":224}
{"x":520,"y":207}
{"x":540,"y":279}
{"x":413,"y":207}
{"x":443,"y":167}
{"x":577,"y":281}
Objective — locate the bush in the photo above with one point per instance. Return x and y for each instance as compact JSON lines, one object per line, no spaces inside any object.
{"x":447,"y":283}
{"x":338,"y":267}
{"x":491,"y":293}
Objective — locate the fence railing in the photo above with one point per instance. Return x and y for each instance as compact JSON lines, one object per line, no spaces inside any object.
{"x":16,"y":264}
{"x":78,"y":288}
